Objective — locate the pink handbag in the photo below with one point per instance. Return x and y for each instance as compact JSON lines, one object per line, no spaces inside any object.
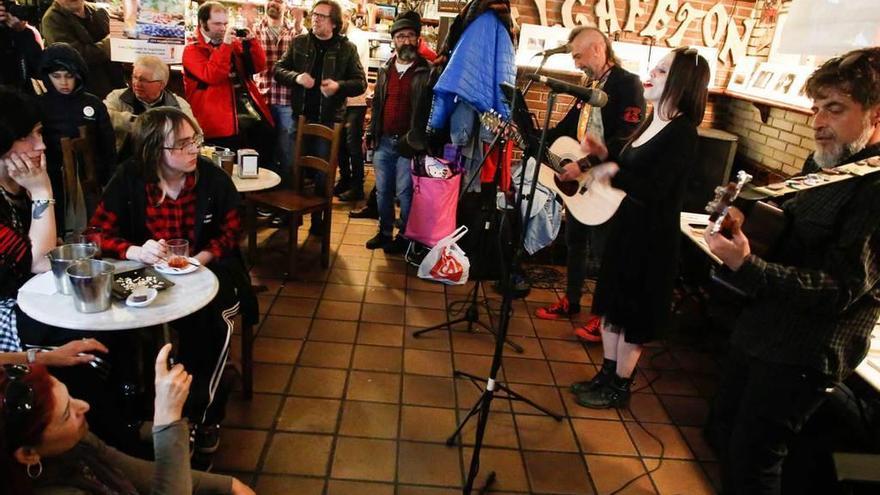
{"x":433,"y":209}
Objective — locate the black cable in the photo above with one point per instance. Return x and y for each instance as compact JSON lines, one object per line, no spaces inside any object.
{"x":642,"y":426}
{"x":659,"y":461}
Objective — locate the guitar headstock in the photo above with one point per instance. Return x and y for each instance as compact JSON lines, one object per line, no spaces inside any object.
{"x":493,"y":122}
{"x":724,"y":198}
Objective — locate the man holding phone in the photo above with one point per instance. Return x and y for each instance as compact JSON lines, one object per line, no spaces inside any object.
{"x":218,"y":67}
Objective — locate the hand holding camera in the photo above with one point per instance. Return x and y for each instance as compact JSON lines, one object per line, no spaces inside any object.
{"x":12,"y":14}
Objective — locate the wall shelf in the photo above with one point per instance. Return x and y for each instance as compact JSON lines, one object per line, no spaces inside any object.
{"x":764,"y":105}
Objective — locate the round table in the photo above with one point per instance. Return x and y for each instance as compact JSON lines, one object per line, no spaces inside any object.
{"x":266,"y":180}
{"x":190,"y":293}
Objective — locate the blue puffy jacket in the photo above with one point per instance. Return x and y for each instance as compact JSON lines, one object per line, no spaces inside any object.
{"x":467,"y":76}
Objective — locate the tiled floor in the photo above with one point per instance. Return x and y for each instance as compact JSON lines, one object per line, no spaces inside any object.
{"x":348,"y":402}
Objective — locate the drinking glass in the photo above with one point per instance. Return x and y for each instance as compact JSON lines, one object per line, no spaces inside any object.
{"x":178,"y":252}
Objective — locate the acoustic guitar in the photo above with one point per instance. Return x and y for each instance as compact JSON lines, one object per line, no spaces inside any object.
{"x":590,"y":201}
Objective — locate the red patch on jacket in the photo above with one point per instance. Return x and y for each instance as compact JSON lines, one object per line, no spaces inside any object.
{"x":632,"y":114}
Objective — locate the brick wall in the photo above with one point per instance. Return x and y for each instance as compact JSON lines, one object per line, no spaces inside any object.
{"x":778,"y":146}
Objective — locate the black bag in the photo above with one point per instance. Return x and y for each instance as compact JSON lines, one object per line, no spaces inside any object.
{"x":488,"y":241}
{"x":246,"y":110}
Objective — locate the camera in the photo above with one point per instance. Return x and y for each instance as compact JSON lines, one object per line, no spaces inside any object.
{"x":22,"y":12}
{"x":241,"y":32}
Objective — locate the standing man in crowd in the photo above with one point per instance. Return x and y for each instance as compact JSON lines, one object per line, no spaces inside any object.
{"x":149,"y":77}
{"x":323,"y":69}
{"x":397,"y":128}
{"x":350,"y":186}
{"x":86,"y":27}
{"x":20,"y":50}
{"x":218,"y":66}
{"x":613,"y":125}
{"x":815,"y":299}
{"x":276,"y":34}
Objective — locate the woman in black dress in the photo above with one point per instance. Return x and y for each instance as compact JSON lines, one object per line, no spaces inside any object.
{"x":634,"y":292}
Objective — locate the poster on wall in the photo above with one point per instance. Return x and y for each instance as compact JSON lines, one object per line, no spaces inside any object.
{"x":640,"y":59}
{"x":534,"y":38}
{"x":147,"y":27}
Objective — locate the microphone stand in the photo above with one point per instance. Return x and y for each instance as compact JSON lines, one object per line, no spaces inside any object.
{"x":483,"y":404}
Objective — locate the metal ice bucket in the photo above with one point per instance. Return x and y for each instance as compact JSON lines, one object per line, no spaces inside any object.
{"x":62,"y":257}
{"x":92,"y":282}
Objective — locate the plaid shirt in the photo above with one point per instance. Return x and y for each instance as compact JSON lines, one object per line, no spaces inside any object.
{"x":168,"y":219}
{"x":275,"y":47}
{"x":15,"y":263}
{"x":398,"y":101}
{"x":817,"y":297}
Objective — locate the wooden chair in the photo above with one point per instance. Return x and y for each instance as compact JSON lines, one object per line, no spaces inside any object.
{"x":78,"y":162}
{"x":301,"y":201}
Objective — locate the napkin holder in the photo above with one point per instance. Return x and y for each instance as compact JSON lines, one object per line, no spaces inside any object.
{"x":248,"y":163}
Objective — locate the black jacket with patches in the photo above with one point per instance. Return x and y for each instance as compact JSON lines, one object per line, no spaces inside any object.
{"x":621,"y":117}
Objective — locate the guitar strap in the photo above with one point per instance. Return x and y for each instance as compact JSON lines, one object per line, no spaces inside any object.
{"x":590,"y":120}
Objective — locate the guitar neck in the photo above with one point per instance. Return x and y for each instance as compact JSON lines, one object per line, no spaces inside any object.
{"x":511,"y":131}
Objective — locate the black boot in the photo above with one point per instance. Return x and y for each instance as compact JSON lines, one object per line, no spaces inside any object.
{"x":613,"y":394}
{"x":599,"y":379}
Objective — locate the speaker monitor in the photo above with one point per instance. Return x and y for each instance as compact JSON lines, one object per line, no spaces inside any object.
{"x":714,"y":161}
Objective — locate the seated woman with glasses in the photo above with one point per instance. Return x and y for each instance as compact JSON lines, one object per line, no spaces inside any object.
{"x":167,"y":191}
{"x":46,"y":447}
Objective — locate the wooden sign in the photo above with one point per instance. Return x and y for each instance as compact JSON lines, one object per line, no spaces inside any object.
{"x":667,"y":22}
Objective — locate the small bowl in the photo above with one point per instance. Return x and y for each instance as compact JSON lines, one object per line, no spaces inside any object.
{"x":141,"y":297}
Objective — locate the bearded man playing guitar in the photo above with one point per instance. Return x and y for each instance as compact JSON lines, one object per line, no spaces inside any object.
{"x":815,"y":298}
{"x":613,"y":126}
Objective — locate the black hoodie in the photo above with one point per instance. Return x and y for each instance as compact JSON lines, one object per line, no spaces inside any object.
{"x":63,"y":114}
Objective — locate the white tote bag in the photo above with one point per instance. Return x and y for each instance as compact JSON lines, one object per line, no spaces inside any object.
{"x":446,"y":262}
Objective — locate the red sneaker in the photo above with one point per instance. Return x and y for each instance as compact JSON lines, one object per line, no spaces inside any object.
{"x":561,"y":309}
{"x":592,"y":331}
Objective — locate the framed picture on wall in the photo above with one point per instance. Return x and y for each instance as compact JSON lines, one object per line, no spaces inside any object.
{"x":794,"y":92}
{"x":386,"y":12}
{"x":742,"y":74}
{"x":775,"y":82}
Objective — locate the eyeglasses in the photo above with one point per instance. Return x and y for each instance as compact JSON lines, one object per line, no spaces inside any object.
{"x":319,"y":15}
{"x":193,"y":145}
{"x":405,"y":37}
{"x":19,"y":397}
{"x":141,"y":80}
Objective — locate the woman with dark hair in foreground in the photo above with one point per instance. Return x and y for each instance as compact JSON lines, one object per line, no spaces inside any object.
{"x":46,"y":447}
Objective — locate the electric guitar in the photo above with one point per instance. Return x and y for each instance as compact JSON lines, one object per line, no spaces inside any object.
{"x":590,"y":201}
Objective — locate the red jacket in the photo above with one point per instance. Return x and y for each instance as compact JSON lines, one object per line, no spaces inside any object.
{"x":209,"y":89}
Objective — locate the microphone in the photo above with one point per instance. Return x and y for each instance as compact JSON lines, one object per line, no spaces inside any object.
{"x":566,"y":48}
{"x":594,"y":97}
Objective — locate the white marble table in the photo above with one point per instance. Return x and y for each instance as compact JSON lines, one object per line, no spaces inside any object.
{"x":191,"y":292}
{"x":266,"y":180}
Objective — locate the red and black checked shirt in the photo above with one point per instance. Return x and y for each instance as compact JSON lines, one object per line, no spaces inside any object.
{"x":398,"y":102}
{"x":169,"y":219}
{"x":275,"y":93}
